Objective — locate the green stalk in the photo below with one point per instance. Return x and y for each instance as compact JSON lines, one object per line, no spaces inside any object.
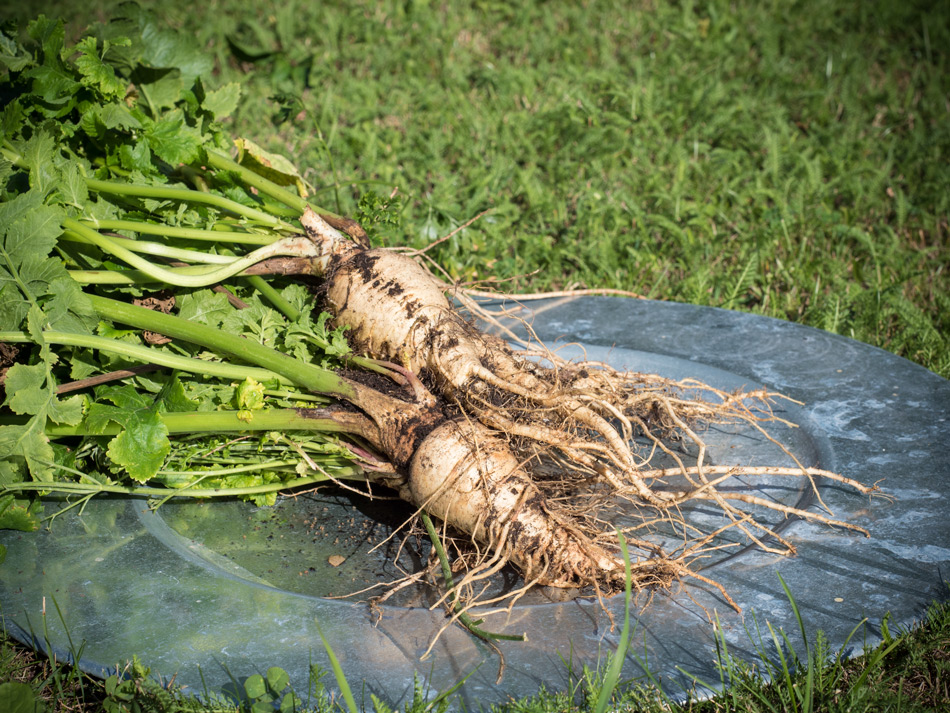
{"x":264,"y":185}
{"x":306,"y":375}
{"x":271,"y":294}
{"x":150,"y":356}
{"x":186,"y":195}
{"x":282,"y":420}
{"x":170,"y":231}
{"x":147,"y":247}
{"x":206,"y":275}
{"x":11,"y":155}
{"x":124,"y":277}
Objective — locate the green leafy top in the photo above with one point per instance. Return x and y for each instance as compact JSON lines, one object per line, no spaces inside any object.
{"x":114,"y":131}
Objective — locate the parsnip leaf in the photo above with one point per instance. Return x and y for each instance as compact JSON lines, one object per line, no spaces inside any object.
{"x":29,"y":392}
{"x":26,"y":448}
{"x":12,"y":55}
{"x":54,"y":86}
{"x":258,"y":322}
{"x":142,"y":445}
{"x":50,"y":34}
{"x":94,"y":71}
{"x":205,"y":307}
{"x":141,"y":448}
{"x":16,"y":516}
{"x":173,"y":140}
{"x":121,"y":111}
{"x":173,"y":397}
{"x":68,"y":308}
{"x":137,"y":156}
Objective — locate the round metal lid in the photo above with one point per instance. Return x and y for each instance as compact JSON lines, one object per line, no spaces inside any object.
{"x":212,"y":593}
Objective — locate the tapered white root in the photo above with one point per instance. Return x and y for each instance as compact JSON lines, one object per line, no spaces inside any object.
{"x":467,"y":475}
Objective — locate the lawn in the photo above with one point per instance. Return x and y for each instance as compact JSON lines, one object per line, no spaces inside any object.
{"x":790,"y":159}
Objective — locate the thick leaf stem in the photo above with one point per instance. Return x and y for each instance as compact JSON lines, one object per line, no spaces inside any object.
{"x":272,"y":295}
{"x":310,"y":377}
{"x":188,"y":195}
{"x":172,"y":231}
{"x":149,"y":247}
{"x":221,"y":162}
{"x":148,"y":355}
{"x":201,"y":275}
{"x":282,"y":420}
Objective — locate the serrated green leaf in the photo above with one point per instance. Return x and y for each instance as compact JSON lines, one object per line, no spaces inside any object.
{"x":205,"y":307}
{"x":141,"y":448}
{"x":25,"y":386}
{"x":173,"y":140}
{"x":30,"y":391}
{"x":116,"y":115}
{"x":18,"y":207}
{"x":69,"y":308}
{"x":162,"y":89}
{"x":95,"y":72}
{"x":52,"y":84}
{"x":261,"y":323}
{"x":174,"y":398}
{"x":50,"y":34}
{"x":72,"y":189}
{"x":124,"y":398}
{"x":67,"y":411}
{"x":135,"y":157}
{"x":39,"y":153}
{"x":12,"y":55}
{"x":13,"y":305}
{"x":222,"y":102}
{"x":35,"y":273}
{"x":27,"y":446}
{"x":90,"y":124}
{"x":106,"y":329}
{"x":34,"y":234}
{"x":16,"y":517}
{"x":143,"y":444}
{"x":12,"y":118}
{"x":102,"y":121}
{"x":82,"y":363}
{"x":162,"y":48}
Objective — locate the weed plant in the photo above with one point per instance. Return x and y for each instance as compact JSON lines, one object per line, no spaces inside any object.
{"x":784,"y":158}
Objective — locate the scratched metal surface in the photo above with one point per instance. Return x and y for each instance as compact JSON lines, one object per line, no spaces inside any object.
{"x":174,"y":589}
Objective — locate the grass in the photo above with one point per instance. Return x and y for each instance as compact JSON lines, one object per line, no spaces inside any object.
{"x":783,"y":158}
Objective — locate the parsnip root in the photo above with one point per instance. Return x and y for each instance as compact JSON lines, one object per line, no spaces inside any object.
{"x":508,"y":422}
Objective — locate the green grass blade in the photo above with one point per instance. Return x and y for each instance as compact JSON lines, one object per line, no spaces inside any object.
{"x":338,"y":674}
{"x":612,"y":677}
